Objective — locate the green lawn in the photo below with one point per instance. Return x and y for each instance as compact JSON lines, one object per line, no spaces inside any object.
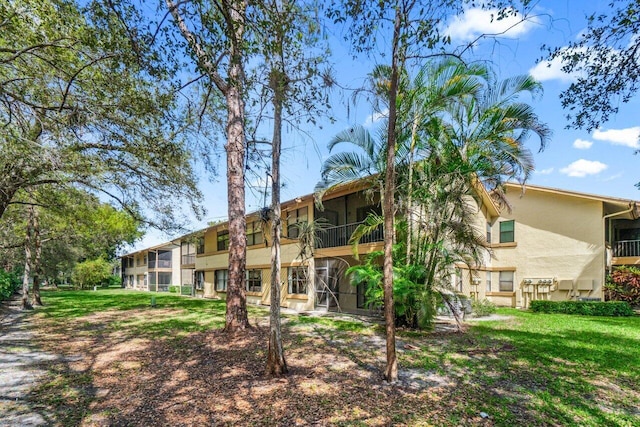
{"x":531,"y":369}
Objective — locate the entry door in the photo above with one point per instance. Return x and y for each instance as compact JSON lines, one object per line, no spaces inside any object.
{"x":326,"y":287}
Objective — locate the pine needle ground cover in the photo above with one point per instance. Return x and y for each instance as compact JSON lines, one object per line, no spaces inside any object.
{"x":125,"y":363}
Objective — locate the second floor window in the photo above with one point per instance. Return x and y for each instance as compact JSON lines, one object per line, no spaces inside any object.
{"x":507,"y":231}
{"x":223,"y":240}
{"x":295,"y":219}
{"x":254,"y":233}
{"x":488,"y":232}
{"x":200,"y":245}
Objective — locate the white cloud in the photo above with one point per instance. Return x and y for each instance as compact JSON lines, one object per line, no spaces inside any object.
{"x":613,"y":177}
{"x":551,"y":70}
{"x":627,"y":137}
{"x":547,"y":171}
{"x":374,"y":118}
{"x":475,"y":21}
{"x":582,"y":144}
{"x":581,"y":168}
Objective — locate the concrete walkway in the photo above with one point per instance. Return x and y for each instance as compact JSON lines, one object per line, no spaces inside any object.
{"x":22,"y":365}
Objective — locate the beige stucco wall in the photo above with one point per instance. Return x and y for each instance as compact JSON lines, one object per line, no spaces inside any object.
{"x":556,"y":236}
{"x":175,"y":266}
{"x":258,"y":257}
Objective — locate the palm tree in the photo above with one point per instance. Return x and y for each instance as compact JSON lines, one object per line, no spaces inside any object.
{"x":476,"y":138}
{"x":489,"y":131}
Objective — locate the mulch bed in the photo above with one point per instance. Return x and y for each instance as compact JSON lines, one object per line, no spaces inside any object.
{"x":215,"y":378}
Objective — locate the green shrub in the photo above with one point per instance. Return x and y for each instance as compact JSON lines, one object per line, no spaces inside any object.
{"x":483,"y":308}
{"x":586,"y":308}
{"x":9,"y":284}
{"x":174,"y":289}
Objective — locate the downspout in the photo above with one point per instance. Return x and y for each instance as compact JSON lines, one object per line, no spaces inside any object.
{"x":632,"y":207}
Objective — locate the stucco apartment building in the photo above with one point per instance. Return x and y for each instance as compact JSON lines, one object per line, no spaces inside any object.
{"x":552,"y":244}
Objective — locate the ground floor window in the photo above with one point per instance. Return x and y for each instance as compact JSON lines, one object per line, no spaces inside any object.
{"x":298,"y":280}
{"x":506,"y":281}
{"x":488,"y":281}
{"x":199,"y":280}
{"x":164,"y":281}
{"x":254,"y":280}
{"x":222,"y":277}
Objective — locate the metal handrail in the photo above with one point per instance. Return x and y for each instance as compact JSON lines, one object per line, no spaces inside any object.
{"x":626,"y":248}
{"x":339,"y":235}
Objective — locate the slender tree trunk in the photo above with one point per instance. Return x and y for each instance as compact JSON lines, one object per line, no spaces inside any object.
{"x":7,"y":191}
{"x":236,"y":315}
{"x":37,"y":277}
{"x":276,"y":363}
{"x":391,"y":371}
{"x":26,"y":305}
{"x":414,"y":130}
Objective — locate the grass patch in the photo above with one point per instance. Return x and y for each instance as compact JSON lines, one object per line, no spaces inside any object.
{"x":533,"y":369}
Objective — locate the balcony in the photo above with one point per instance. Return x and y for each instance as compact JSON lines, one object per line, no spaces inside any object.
{"x":161,"y":263}
{"x":188,"y":259}
{"x":626,"y":248}
{"x":331,"y":237}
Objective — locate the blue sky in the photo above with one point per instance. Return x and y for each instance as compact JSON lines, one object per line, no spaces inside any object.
{"x":598,"y":162}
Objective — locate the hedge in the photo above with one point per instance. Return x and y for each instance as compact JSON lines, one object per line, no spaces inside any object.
{"x":587,"y":308}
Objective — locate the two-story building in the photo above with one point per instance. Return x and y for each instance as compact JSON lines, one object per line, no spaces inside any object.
{"x":152,"y":269}
{"x":551,"y":244}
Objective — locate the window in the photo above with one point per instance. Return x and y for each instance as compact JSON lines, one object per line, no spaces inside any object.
{"x":488,"y":232}
{"x":254,"y":233}
{"x":458,"y":280}
{"x":130,"y":262}
{"x":200,"y":245}
{"x":488,"y":281}
{"x":199,"y":279}
{"x":506,"y":281}
{"x":507,"y":231}
{"x":298,"y":280}
{"x":296,"y":218}
{"x":222,"y":276}
{"x":254,"y":280}
{"x":223,"y":240}
{"x":363,"y":212}
{"x":164,"y":281}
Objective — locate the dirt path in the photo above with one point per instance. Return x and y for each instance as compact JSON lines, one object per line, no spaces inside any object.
{"x":22,"y":365}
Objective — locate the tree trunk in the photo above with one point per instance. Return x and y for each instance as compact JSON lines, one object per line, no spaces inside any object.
{"x":236,"y":315}
{"x":391,"y":371}
{"x":7,"y":191}
{"x":26,"y":305}
{"x":276,"y":363}
{"x":37,"y":277}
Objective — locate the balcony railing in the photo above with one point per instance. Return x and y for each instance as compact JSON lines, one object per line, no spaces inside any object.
{"x":162,"y":263}
{"x":339,"y":235}
{"x":626,"y":248}
{"x":189,"y":259}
